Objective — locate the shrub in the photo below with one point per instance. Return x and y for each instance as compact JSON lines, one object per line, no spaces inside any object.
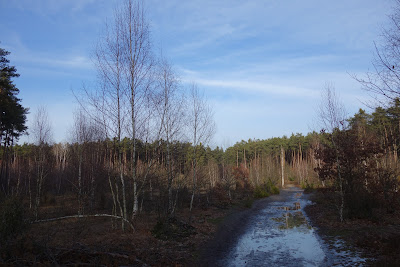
{"x":308,"y":188}
{"x":248,"y":203}
{"x":260,"y":191}
{"x":265,"y":190}
{"x":275,"y":190}
{"x":220,"y":196}
{"x":11,"y":219}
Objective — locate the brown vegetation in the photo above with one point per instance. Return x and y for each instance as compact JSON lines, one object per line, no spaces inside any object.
{"x":157,"y":242}
{"x":377,"y":237}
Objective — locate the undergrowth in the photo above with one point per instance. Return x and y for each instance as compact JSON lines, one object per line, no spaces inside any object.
{"x":265,"y":190}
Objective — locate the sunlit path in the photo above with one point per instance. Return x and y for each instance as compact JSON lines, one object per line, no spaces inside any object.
{"x":280,"y":235}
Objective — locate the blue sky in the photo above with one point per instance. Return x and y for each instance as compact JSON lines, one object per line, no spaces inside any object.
{"x":262,"y":63}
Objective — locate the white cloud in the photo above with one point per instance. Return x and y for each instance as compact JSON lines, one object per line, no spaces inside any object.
{"x":51,"y":61}
{"x":258,"y":87}
{"x":73,"y":61}
{"x":287,"y":23}
{"x":22,"y":54}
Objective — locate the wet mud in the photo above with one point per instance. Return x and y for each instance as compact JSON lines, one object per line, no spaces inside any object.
{"x":276,"y":232}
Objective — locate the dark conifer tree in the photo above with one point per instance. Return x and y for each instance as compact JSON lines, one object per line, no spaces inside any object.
{"x":12,"y":113}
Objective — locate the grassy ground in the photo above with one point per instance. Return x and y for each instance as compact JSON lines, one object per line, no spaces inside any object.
{"x":378,"y":238}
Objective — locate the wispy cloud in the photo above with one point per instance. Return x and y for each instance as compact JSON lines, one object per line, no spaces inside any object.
{"x":50,"y":7}
{"x":72,"y":62}
{"x":290,"y":77}
{"x":213,"y":37}
{"x":257,"y":87}
{"x":211,"y":24}
{"x":22,"y":54}
{"x":51,"y":65}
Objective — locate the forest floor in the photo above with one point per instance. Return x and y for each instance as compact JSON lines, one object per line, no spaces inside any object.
{"x":92,"y":241}
{"x":378,"y":238}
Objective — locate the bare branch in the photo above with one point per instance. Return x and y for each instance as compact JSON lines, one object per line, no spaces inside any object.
{"x":85,"y":216}
{"x":332,"y":113}
{"x":41,"y":127}
{"x":384,"y":80}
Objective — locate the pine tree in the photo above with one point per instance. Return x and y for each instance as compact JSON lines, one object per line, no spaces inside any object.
{"x":12,"y":114}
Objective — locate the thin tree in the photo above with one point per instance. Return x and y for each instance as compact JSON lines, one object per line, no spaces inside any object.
{"x":42,"y":134}
{"x":137,"y":72}
{"x":107,"y":102}
{"x":83,"y":131}
{"x":124,"y":61}
{"x":60,"y":153}
{"x":332,"y":116}
{"x":201,"y":127}
{"x":170,"y":112}
{"x":282,"y":166}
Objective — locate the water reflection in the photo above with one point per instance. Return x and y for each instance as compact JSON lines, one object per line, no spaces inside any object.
{"x":280,"y":235}
{"x":293,"y":220}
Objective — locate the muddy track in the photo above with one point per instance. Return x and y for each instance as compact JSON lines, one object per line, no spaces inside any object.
{"x":275,"y":232}
{"x":233,"y":227}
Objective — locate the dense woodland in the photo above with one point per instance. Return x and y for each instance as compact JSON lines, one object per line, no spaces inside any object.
{"x":139,"y":146}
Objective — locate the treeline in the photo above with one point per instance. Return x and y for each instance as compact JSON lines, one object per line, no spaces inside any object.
{"x":263,"y":159}
{"x":89,"y":173}
{"x":359,"y":161}
{"x":365,"y":154}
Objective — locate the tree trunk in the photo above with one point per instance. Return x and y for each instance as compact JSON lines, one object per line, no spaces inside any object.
{"x":283,"y":166}
{"x":194,"y":184}
{"x":80,"y":210}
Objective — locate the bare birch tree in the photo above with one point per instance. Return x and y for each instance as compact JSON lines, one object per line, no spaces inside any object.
{"x":169,"y":104}
{"x":201,"y":127}
{"x":42,"y":135}
{"x":332,"y":115}
{"x":107,"y":102}
{"x":137,"y":72}
{"x":124,"y":63}
{"x":83,"y":131}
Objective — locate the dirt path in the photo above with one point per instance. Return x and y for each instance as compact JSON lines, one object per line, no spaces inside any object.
{"x":274,"y":233}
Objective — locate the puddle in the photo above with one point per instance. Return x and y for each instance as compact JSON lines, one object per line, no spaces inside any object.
{"x":293,"y":220}
{"x":280,"y":235}
{"x":340,"y":255}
